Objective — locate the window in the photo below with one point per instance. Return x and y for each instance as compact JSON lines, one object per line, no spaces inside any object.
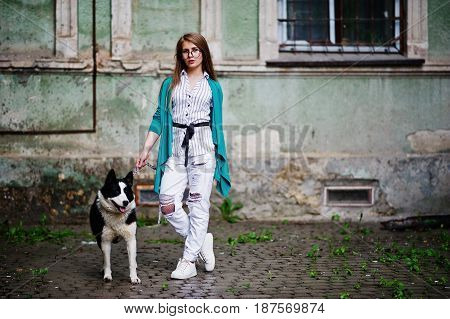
{"x":341,"y":25}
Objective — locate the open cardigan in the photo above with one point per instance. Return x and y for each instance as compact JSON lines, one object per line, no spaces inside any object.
{"x":162,"y":125}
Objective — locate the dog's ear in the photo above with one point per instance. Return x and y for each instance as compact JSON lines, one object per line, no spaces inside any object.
{"x":129,"y":179}
{"x":111,"y":177}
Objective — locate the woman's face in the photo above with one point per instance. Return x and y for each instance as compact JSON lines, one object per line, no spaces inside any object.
{"x":192,"y":56}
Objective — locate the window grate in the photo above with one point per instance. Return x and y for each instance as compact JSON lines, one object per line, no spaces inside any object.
{"x":341,"y":25}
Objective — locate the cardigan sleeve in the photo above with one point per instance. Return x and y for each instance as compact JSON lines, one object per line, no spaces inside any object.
{"x":155,"y":125}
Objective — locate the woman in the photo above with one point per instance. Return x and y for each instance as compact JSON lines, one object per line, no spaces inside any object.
{"x":192,"y":150}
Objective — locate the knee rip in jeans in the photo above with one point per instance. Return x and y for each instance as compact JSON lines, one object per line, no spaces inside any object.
{"x":167,"y":203}
{"x":194,"y":197}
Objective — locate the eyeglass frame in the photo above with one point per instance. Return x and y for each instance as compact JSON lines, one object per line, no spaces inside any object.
{"x":186,"y":53}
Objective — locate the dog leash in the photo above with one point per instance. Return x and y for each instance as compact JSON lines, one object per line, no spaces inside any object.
{"x":137,"y":170}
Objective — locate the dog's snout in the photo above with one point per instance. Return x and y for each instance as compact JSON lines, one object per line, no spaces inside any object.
{"x":125,"y":203}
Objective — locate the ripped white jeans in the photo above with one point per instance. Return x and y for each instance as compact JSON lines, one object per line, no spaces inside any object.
{"x":199,"y":175}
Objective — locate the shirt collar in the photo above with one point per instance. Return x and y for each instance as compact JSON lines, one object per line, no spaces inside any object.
{"x":205,"y":74}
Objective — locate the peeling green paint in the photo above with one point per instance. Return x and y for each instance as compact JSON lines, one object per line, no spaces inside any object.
{"x":157,"y":25}
{"x":103,"y":24}
{"x":240,"y":29}
{"x":438,"y":30}
{"x":85,"y":25}
{"x":27,"y":26}
{"x":46,"y":102}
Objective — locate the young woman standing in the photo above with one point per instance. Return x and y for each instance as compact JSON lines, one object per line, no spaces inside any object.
{"x":192,"y":151}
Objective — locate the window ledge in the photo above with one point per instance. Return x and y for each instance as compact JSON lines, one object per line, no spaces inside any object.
{"x":342,"y":60}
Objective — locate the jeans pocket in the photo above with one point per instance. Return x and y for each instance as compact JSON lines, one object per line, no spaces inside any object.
{"x":170,"y":163}
{"x":205,"y":163}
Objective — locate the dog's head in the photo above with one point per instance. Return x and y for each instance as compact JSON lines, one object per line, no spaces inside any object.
{"x":118,"y":194}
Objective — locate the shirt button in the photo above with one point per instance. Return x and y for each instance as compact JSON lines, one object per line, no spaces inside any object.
{"x":189,"y":105}
{"x":186,"y":114}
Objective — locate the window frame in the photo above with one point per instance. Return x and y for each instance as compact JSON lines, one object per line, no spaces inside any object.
{"x":286,"y":45}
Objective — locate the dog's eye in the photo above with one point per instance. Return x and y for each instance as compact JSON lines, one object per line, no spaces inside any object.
{"x":129,"y":192}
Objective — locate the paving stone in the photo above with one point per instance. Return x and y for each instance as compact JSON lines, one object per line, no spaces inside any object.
{"x":276,"y":269}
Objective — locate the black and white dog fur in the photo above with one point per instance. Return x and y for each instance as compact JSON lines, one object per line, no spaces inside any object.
{"x":112,"y":217}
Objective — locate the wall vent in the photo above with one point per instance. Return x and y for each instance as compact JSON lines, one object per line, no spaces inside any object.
{"x":348,"y":195}
{"x":146,"y":196}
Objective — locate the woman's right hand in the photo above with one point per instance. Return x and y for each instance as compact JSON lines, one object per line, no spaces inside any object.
{"x":143,"y":158}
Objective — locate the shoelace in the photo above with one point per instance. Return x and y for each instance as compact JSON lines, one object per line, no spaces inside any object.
{"x":202,"y":257}
{"x":184,"y":264}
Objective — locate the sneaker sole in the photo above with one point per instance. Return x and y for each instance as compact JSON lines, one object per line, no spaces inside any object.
{"x":182,"y":278}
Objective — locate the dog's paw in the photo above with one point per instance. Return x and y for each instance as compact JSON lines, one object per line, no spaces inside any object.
{"x":107,"y":278}
{"x":135,"y":280}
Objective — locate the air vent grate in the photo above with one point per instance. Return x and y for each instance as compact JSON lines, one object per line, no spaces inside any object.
{"x":348,"y":195}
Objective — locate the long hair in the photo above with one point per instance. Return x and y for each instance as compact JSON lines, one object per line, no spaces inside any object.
{"x":200,"y":42}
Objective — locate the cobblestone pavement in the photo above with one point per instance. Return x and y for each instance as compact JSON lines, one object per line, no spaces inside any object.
{"x":324,"y":260}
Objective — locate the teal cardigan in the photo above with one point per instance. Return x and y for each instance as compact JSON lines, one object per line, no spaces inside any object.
{"x":162,"y":125}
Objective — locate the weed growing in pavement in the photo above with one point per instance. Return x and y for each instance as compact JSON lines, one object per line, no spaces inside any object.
{"x":313,"y":273}
{"x":18,"y":234}
{"x":340,"y":251}
{"x":232,"y":242}
{"x":39,"y":272}
{"x":269,"y":274}
{"x":344,"y":295}
{"x":233,"y":290}
{"x":313,"y":252}
{"x":347,"y":270}
{"x":165,"y":285}
{"x":253,"y":238}
{"x":440,"y":281}
{"x":412,"y":256}
{"x":250,"y":237}
{"x":357,"y":286}
{"x":364,"y":266}
{"x":399,"y":290}
{"x":227,"y":209}
{"x":247,"y":285}
{"x":365,"y":231}
{"x":285,"y":222}
{"x":145,"y":221}
{"x":323,"y":238}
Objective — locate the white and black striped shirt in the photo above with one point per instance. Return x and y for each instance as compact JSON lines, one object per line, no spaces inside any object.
{"x":192,"y":106}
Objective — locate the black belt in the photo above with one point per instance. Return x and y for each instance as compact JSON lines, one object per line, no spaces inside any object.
{"x":188,"y":136}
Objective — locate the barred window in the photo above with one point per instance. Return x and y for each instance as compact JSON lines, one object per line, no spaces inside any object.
{"x":341,"y":25}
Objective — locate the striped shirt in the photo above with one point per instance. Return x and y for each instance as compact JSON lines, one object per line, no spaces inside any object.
{"x":192,"y":106}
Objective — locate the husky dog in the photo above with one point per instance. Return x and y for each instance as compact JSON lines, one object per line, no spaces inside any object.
{"x":112,"y":217}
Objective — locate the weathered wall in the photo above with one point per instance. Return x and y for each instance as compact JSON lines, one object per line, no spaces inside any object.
{"x":438,"y":27}
{"x":390,"y":130}
{"x":27,"y":27}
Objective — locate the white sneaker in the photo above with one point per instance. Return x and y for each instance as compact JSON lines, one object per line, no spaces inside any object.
{"x":185,"y":269}
{"x":207,"y":253}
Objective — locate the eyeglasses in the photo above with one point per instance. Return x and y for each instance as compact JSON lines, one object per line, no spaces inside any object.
{"x":195,"y":52}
